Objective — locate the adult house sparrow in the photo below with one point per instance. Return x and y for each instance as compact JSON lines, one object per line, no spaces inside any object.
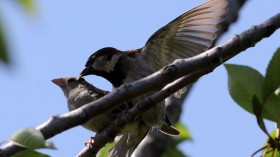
{"x":80,"y":92}
{"x":188,"y":35}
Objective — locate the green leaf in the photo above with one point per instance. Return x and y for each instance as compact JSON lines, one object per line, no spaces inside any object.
{"x":104,"y":151}
{"x":31,"y":138}
{"x":272,"y":77}
{"x":244,"y":83}
{"x":49,"y":145}
{"x":184,"y":132}
{"x":272,"y":107}
{"x":30,"y":153}
{"x":269,"y":154}
{"x":171,"y":148}
{"x":27,"y":4}
{"x":258,"y":109}
{"x":173,"y":152}
{"x":3,"y":47}
{"x":273,"y":134}
{"x":276,"y":154}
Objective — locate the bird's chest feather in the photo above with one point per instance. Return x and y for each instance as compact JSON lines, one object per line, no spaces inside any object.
{"x":79,"y":99}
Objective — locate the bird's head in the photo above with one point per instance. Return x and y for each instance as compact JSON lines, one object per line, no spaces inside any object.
{"x":70,"y":84}
{"x":103,"y":60}
{"x":74,"y":86}
{"x":78,"y":92}
{"x":104,"y":63}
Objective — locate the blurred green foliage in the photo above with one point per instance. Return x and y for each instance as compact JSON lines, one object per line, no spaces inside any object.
{"x":31,"y":139}
{"x":28,"y":5}
{"x":259,"y":95}
{"x":3,"y":47}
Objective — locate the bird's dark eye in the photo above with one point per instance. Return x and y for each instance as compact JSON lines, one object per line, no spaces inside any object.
{"x":70,"y":80}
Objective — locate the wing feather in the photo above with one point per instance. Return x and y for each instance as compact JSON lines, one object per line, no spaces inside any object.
{"x":188,"y":35}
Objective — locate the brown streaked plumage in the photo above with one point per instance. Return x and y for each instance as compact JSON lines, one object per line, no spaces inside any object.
{"x":188,"y":35}
{"x":79,"y":92}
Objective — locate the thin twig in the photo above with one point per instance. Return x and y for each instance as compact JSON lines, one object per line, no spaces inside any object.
{"x":256,"y":152}
{"x":266,"y":150}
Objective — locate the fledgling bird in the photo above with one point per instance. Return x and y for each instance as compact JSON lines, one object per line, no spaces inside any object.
{"x":186,"y":36}
{"x":79,"y":92}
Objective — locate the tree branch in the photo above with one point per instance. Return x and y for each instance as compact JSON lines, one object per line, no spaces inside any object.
{"x":209,"y":59}
{"x":150,"y":146}
{"x":101,"y":139}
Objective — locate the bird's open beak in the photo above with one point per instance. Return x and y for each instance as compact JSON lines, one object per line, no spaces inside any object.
{"x":60,"y":82}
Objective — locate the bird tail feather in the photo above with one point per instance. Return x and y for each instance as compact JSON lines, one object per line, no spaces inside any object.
{"x":128,"y":142}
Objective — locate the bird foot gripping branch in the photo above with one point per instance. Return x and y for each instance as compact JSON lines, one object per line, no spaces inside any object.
{"x":89,"y":142}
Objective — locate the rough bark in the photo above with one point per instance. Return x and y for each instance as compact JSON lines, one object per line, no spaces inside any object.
{"x":150,"y":146}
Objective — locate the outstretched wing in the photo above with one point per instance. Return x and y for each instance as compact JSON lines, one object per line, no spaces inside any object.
{"x":188,"y":35}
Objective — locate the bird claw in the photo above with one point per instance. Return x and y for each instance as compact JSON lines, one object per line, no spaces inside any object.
{"x":124,"y":114}
{"x":89,"y":143}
